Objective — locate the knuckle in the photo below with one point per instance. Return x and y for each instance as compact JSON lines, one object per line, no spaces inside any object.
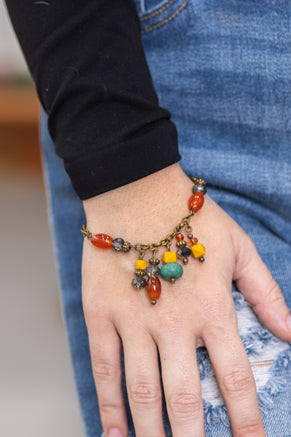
{"x":144,"y":394}
{"x":108,"y":409}
{"x":185,"y":405}
{"x":248,"y":428}
{"x":237,"y":381}
{"x":273,"y":292}
{"x":104,"y":372}
{"x":219,"y":311}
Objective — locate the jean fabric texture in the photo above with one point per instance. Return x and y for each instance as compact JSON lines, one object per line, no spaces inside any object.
{"x":223,"y":69}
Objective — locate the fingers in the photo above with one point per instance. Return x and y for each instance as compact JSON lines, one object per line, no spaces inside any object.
{"x":143,"y":384}
{"x":181,"y":383}
{"x":255,"y":281}
{"x":105,"y":348}
{"x":236,"y":381}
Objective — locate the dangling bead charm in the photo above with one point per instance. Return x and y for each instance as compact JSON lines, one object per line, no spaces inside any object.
{"x":141,"y":264}
{"x":198,"y":250}
{"x":169,"y":257}
{"x":171,"y":271}
{"x":139,"y":282}
{"x":154,"y":289}
{"x":147,"y":272}
{"x":184,"y":253}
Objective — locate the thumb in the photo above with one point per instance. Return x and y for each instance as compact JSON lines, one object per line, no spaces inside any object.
{"x":260,"y":289}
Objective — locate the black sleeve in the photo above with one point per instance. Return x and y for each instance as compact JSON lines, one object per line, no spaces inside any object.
{"x":87,"y":61}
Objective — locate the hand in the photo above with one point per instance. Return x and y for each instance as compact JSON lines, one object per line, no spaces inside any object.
{"x":197,"y":310}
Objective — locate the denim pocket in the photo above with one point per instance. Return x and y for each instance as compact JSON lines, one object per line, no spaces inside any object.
{"x":156,"y":13}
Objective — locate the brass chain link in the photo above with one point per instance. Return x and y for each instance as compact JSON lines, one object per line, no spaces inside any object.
{"x":166,"y":241}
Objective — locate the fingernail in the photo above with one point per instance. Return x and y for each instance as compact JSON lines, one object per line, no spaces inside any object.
{"x":114,"y":432}
{"x":289,"y":321}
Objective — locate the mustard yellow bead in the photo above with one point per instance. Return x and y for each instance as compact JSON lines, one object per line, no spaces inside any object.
{"x":141,"y":264}
{"x":169,"y":257}
{"x":198,"y":250}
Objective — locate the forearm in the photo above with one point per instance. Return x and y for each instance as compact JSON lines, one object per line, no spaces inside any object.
{"x":92,"y":79}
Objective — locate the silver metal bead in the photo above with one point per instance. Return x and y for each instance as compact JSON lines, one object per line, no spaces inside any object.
{"x":200,"y":188}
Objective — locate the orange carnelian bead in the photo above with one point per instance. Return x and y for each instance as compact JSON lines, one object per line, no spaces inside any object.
{"x":196,"y":201}
{"x":179,"y":237}
{"x":103,"y":241}
{"x":154,"y":289}
{"x":192,"y":241}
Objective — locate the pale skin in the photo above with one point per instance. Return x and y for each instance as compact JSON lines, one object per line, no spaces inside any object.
{"x":197,"y":310}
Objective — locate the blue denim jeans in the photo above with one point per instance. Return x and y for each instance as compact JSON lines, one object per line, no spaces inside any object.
{"x":222,"y":68}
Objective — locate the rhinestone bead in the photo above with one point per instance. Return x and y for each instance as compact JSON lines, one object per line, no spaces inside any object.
{"x":192,"y":241}
{"x":179,"y":237}
{"x":139,"y":282}
{"x":153,"y":271}
{"x":117,"y":244}
{"x":184,"y":252}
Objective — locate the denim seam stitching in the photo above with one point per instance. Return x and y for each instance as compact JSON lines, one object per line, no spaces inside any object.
{"x":156,"y":26}
{"x":161,"y":9}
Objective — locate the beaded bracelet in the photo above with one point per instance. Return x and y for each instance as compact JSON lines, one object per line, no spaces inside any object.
{"x":148,"y":276}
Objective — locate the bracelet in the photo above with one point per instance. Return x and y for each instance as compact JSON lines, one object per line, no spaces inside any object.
{"x":148,"y":276}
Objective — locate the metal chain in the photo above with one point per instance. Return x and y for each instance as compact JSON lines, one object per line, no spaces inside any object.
{"x":86,"y":233}
{"x":166,"y":241}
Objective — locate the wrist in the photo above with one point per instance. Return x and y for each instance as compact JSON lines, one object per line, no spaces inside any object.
{"x":144,"y":208}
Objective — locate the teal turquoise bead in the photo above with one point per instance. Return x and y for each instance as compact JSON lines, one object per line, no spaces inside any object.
{"x":171,"y":270}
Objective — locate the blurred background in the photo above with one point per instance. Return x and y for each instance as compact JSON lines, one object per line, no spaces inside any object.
{"x":37,"y":393}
